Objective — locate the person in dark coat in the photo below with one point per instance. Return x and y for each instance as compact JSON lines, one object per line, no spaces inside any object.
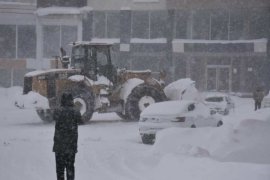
{"x":66,"y":137}
{"x":258,"y":96}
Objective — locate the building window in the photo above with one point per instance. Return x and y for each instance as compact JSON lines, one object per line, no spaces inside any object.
{"x":106,"y":24}
{"x":61,"y":3}
{"x":51,"y":40}
{"x":181,"y":23}
{"x":26,"y":41}
{"x":149,"y":25}
{"x":7,"y":41}
{"x":259,"y":24}
{"x":140,"y":24}
{"x":68,"y":35}
{"x":158,"y":21}
{"x":219,"y":25}
{"x":113,"y":24}
{"x":237,"y":24}
{"x":99,"y":24}
{"x":201,"y":24}
{"x":56,"y":36}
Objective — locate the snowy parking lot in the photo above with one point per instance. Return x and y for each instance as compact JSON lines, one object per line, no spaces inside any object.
{"x":110,"y":148}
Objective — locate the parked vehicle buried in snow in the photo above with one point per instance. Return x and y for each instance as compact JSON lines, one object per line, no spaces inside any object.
{"x":184,"y":113}
{"x":220,"y":102}
{"x":96,"y":84}
{"x":266,"y":101}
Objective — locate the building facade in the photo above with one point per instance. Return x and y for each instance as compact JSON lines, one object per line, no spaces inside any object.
{"x":222,"y":45}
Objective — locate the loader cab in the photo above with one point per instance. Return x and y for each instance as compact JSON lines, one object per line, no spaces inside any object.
{"x":93,"y":60}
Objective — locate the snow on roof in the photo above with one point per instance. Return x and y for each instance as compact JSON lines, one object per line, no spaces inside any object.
{"x":166,"y":108}
{"x":194,"y":41}
{"x":94,"y":42}
{"x":157,"y":40}
{"x":125,"y":8}
{"x":215,"y":94}
{"x":62,"y":10}
{"x":105,"y":40}
{"x":181,"y":89}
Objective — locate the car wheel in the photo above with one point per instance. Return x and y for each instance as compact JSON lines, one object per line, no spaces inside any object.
{"x":148,"y":138}
{"x":193,"y":126}
{"x":141,"y":97}
{"x":220,"y":123}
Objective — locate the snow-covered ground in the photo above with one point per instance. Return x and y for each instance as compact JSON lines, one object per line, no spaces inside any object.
{"x":111,"y":149}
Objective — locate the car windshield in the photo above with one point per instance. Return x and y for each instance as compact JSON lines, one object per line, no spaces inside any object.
{"x":214,"y":99}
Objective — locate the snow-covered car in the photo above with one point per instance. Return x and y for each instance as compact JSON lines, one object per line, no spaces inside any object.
{"x":266,"y":101}
{"x":220,"y":102}
{"x":184,"y":113}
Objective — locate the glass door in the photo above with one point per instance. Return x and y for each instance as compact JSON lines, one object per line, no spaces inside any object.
{"x":211,"y":79}
{"x":223,"y":79}
{"x":218,"y":78}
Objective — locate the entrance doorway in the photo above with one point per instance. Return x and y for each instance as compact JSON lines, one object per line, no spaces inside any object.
{"x":218,"y":78}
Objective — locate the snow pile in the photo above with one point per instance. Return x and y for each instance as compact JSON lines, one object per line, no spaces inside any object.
{"x":78,"y":78}
{"x":266,"y":101}
{"x":175,"y":109}
{"x":245,"y":142}
{"x":30,"y":101}
{"x":111,"y":149}
{"x":181,"y":89}
{"x":102,"y":80}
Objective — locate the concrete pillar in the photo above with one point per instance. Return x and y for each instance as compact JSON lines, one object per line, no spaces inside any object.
{"x":125,"y":36}
{"x":39,"y":45}
{"x":169,"y":51}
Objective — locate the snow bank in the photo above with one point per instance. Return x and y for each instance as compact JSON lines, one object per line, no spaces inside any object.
{"x":175,"y":167}
{"x":181,"y":89}
{"x":28,"y":101}
{"x":246,"y":142}
{"x":111,"y":149}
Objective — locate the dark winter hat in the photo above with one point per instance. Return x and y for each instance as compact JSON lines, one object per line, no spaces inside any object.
{"x":67,"y":99}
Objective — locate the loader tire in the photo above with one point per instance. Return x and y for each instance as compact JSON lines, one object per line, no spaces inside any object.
{"x":141,"y":97}
{"x":45,"y":115}
{"x":122,"y":116}
{"x":84,"y":100}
